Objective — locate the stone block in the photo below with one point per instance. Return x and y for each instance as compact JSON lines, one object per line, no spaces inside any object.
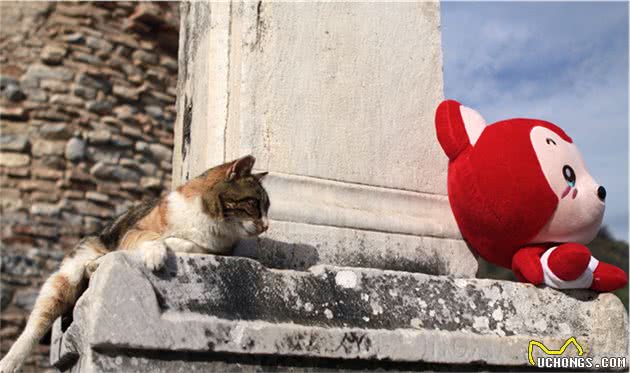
{"x":53,"y":54}
{"x":46,"y":209}
{"x":100,"y":44}
{"x":14,"y":160}
{"x":54,"y":86}
{"x":299,"y":246}
{"x":14,"y":93}
{"x":61,"y":99}
{"x":75,"y":149}
{"x":102,"y":170}
{"x":74,"y":38}
{"x":44,"y":147}
{"x":16,"y":143}
{"x":99,"y":106}
{"x":38,"y":72}
{"x":211,"y":306}
{"x":13,"y":113}
{"x":58,"y":131}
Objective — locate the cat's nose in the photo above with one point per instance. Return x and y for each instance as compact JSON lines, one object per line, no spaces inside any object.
{"x":262,"y":225}
{"x":601,"y":193}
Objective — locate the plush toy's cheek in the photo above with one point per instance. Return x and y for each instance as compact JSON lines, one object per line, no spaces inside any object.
{"x":580,"y":210}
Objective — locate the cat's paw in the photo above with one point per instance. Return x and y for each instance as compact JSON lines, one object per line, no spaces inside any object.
{"x":154,"y":254}
{"x":9,"y":365}
{"x":180,"y":245}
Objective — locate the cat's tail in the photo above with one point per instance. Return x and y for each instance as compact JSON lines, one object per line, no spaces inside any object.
{"x":57,"y":296}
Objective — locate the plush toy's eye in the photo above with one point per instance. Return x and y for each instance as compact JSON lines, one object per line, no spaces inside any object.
{"x":569,"y":175}
{"x":550,"y":141}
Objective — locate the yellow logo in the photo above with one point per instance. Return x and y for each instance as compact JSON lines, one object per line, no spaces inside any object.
{"x":532,"y":343}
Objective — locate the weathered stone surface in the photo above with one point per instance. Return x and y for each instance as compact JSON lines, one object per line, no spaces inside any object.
{"x":105,"y":155}
{"x":217,"y":305}
{"x":66,"y":100}
{"x":75,"y":149}
{"x":96,"y":196}
{"x":52,"y":115}
{"x":94,"y":82}
{"x":6,"y":295}
{"x":154,"y":111}
{"x":150,"y":182}
{"x":57,"y":131}
{"x":45,"y":147}
{"x":6,"y":81}
{"x":18,"y":171}
{"x":121,"y":141}
{"x":108,"y":171}
{"x":99,"y":106}
{"x":100,"y":44}
{"x":161,"y":152}
{"x":45,"y":196}
{"x":10,"y":199}
{"x":14,"y":159}
{"x":89,"y":208}
{"x":299,"y":246}
{"x":19,"y":265}
{"x":14,"y":113}
{"x":46,"y":209}
{"x":54,"y":86}
{"x":74,"y":38}
{"x":16,"y":143}
{"x":47,"y":173}
{"x":126,"y":92}
{"x":86,"y":57}
{"x":53,"y":54}
{"x":87,"y":93}
{"x":145,"y":57}
{"x":99,"y":137}
{"x":26,"y":298}
{"x":14,"y":93}
{"x":46,"y":72}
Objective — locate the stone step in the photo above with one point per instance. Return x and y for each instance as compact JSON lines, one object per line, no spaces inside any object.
{"x":212,"y":312}
{"x":291,"y":245}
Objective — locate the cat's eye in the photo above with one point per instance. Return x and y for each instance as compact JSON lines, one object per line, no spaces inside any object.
{"x":248,"y":202}
{"x":569,"y":175}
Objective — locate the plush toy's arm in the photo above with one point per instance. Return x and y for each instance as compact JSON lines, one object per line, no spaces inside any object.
{"x":526,"y":264}
{"x":566,"y":266}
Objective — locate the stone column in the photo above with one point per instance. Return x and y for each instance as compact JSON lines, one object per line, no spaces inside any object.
{"x":336,"y":101}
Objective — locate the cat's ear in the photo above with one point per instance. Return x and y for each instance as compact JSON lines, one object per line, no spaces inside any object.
{"x":259,"y":176}
{"x":240,"y":167}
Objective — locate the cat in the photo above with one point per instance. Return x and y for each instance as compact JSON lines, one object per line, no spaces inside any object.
{"x":208,"y":214}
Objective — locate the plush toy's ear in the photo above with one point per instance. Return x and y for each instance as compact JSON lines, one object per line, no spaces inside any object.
{"x":457,"y":127}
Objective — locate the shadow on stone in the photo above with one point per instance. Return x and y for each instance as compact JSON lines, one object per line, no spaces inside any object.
{"x":170,"y":268}
{"x":583,"y":295}
{"x":278,"y":254}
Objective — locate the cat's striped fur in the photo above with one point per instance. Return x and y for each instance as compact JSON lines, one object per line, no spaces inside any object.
{"x":209,"y":214}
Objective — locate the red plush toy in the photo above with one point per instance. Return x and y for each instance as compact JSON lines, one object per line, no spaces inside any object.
{"x":523,"y":199}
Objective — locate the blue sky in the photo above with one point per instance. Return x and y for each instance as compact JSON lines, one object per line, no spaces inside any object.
{"x":566,"y":62}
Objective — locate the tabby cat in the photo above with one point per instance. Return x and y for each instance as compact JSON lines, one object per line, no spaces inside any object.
{"x":209,"y":214}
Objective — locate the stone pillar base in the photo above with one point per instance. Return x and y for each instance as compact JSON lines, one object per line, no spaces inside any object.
{"x":215,"y":313}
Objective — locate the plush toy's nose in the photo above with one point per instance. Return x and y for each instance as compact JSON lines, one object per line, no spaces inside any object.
{"x":601,"y":193}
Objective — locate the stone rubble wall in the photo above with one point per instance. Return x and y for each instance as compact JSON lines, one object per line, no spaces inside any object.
{"x":87,"y":105}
